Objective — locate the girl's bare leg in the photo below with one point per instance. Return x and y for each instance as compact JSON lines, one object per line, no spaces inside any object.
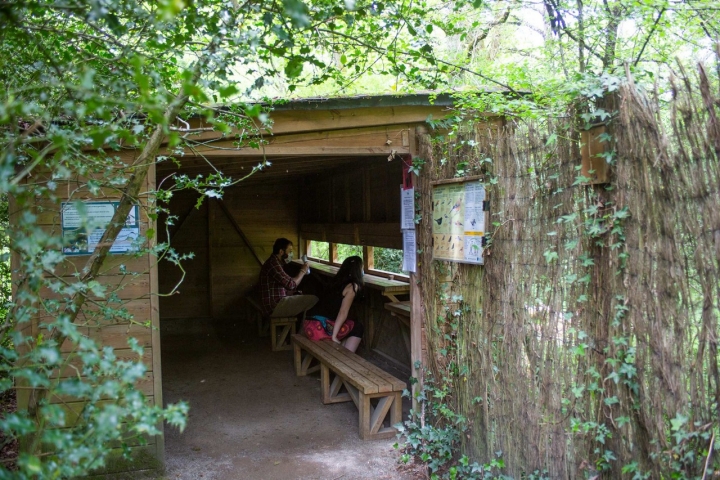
{"x":352,"y":343}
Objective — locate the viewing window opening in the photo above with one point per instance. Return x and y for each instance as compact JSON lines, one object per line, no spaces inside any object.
{"x":388,"y":260}
{"x":319,"y":250}
{"x":380,"y":261}
{"x":345,"y":251}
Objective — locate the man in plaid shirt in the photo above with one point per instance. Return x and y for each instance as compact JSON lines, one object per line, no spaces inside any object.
{"x":277,"y":287}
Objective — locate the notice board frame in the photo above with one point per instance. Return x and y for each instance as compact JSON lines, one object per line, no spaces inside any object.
{"x":452,"y":239}
{"x":78,"y":239}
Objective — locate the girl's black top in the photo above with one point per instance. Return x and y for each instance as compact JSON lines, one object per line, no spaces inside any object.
{"x":329,"y":304}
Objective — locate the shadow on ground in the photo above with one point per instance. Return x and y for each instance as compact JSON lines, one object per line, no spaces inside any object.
{"x":252,"y":418}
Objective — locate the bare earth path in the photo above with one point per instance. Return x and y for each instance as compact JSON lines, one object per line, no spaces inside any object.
{"x":252,"y":418}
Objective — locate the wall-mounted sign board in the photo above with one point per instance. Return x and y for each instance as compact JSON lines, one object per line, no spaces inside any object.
{"x":459,"y":215}
{"x":83,"y":225}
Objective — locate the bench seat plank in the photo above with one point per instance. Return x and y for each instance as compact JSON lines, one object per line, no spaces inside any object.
{"x":367,"y":377}
{"x":347,"y":369}
{"x":352,"y":370}
{"x":354,"y":361}
{"x":395,"y":382}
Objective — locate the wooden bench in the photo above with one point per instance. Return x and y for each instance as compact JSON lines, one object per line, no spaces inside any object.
{"x":345,"y":376}
{"x":280,"y":329}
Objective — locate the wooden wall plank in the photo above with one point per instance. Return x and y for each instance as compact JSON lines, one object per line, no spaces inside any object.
{"x":386,"y":235}
{"x":112,"y":266}
{"x":116,"y":336}
{"x":126,"y":287}
{"x":73,"y":410}
{"x":73,"y":365}
{"x":263,"y":213}
{"x":93,"y":315}
{"x":145,"y":385}
{"x":298,"y":121}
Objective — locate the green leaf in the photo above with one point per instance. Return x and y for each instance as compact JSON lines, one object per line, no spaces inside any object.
{"x":228,"y":91}
{"x":298,"y":13}
{"x":678,"y":422}
{"x":550,"y":256}
{"x":294,"y":67}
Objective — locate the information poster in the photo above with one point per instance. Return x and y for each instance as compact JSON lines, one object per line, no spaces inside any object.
{"x":459,"y":222}
{"x":409,"y":251}
{"x":83,"y":225}
{"x":407,"y":211}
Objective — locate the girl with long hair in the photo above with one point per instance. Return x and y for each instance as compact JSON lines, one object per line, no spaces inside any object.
{"x":328,"y":319}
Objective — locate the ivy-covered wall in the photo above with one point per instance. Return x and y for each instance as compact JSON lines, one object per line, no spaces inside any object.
{"x":586,"y":346}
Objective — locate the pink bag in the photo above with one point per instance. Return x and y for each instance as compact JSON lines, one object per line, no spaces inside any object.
{"x":322,"y":329}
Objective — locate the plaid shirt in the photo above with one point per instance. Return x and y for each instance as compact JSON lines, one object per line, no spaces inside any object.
{"x":275,"y":284}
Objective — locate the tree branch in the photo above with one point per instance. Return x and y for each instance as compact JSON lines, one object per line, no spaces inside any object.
{"x":650,"y":34}
{"x":141,"y":167}
{"x":486,"y":31}
{"x":443,"y":62}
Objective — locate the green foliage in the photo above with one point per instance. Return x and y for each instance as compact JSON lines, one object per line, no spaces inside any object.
{"x":5,"y":285}
{"x":82,"y":84}
{"x":433,"y":434}
{"x":320,"y":250}
{"x":435,"y":438}
{"x":388,"y":259}
{"x":345,"y":251}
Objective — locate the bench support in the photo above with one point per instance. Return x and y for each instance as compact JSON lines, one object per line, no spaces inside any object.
{"x":262,"y":323}
{"x":373,"y":415}
{"x":303,"y":362}
{"x":281,"y":331}
{"x":331,"y":390}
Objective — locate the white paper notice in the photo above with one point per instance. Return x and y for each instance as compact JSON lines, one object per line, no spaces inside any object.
{"x":407,"y":210}
{"x":409,"y":251}
{"x":474,"y":214}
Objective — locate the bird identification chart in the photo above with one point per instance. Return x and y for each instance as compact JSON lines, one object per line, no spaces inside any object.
{"x":459,"y":222}
{"x":83,"y":225}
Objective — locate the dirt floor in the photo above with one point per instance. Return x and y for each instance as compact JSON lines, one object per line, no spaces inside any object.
{"x":252,"y":418}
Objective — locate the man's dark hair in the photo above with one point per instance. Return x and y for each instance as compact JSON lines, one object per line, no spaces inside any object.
{"x":280,"y":244}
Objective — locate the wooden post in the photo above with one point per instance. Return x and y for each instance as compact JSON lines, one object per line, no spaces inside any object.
{"x":155,"y":335}
{"x":211,"y":221}
{"x":367,"y":197}
{"x":369,"y":258}
{"x":348,"y":214}
{"x":417,"y":310}
{"x":333,"y":253}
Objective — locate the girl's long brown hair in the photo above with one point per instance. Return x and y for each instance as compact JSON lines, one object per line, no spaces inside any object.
{"x":351,"y":271}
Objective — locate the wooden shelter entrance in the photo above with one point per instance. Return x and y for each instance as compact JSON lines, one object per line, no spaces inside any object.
{"x":334,"y":176}
{"x":336,"y":167}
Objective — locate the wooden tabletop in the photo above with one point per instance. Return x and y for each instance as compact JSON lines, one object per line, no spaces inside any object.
{"x":385,"y":285}
{"x":399,"y":308}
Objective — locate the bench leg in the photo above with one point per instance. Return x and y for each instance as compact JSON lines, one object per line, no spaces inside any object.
{"x":373,"y":417}
{"x":330,"y":389}
{"x":263,"y":324}
{"x":303,"y":362}
{"x":281,"y":340}
{"x":297,"y":354}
